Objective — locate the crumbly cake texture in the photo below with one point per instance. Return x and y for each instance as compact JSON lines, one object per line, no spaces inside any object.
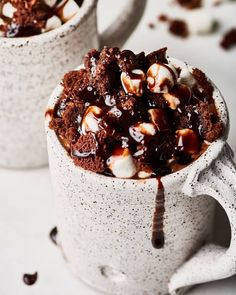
{"x":22,"y":18}
{"x":134,"y":112}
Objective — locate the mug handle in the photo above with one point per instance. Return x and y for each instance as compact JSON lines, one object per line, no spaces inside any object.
{"x":211,"y":262}
{"x":123,"y":26}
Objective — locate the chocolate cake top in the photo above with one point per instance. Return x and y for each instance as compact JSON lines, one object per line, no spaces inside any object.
{"x":134,"y":115}
{"x":22,"y":18}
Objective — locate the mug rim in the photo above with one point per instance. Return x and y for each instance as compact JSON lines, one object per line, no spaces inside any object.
{"x":199,"y":164}
{"x":68,"y":26}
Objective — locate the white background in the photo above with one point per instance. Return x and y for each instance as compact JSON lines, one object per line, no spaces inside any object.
{"x":26,"y":206}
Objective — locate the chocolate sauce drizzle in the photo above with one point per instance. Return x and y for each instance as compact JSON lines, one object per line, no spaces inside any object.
{"x":158,"y":238}
{"x":49,"y":113}
{"x":30,"y":279}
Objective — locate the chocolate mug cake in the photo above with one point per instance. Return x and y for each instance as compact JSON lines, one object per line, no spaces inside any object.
{"x":111,"y":164}
{"x":135,"y":116}
{"x":22,"y":18}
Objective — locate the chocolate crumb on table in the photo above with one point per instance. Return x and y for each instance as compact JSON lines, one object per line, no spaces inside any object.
{"x":133,"y":115}
{"x":163,"y":18}
{"x":179,"y":28}
{"x":30,"y":279}
{"x":151,"y":25}
{"x":229,"y":39}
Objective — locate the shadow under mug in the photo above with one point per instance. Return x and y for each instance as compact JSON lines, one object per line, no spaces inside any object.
{"x":31,"y":66}
{"x":104,"y":223}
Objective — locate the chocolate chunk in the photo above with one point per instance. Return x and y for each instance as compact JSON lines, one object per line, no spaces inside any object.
{"x":158,"y":56}
{"x":156,"y":100}
{"x":76,"y":83}
{"x":83,"y":153}
{"x":179,"y":28}
{"x":90,"y":61}
{"x":210,"y":127}
{"x":204,"y":88}
{"x":92,"y":163}
{"x":128,"y":61}
{"x":106,"y":77}
{"x":85,"y":146}
{"x":128,"y":103}
{"x":229,"y":39}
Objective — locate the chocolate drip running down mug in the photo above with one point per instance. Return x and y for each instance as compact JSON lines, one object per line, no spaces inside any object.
{"x":31,"y":66}
{"x":104,"y":223}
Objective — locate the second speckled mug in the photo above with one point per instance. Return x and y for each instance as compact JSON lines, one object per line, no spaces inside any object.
{"x":104,"y":223}
{"x":31,"y":66}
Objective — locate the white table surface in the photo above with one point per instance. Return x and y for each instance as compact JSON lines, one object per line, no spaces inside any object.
{"x":26,"y":205}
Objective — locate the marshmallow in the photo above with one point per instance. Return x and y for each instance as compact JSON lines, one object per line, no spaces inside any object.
{"x":50,"y":3}
{"x":121,"y":164}
{"x":161,"y":77}
{"x":144,"y":174}
{"x":67,"y":9}
{"x":200,"y":22}
{"x":139,"y":130}
{"x":173,"y":101}
{"x":133,"y":83}
{"x":188,"y":141}
{"x":147,"y":128}
{"x":8,"y":10}
{"x":178,"y":93}
{"x":2,"y":22}
{"x":52,"y":23}
{"x":91,"y":119}
{"x":186,"y":77}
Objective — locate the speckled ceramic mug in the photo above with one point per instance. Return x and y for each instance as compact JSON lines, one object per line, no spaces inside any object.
{"x":104,"y":223}
{"x":30,"y":67}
